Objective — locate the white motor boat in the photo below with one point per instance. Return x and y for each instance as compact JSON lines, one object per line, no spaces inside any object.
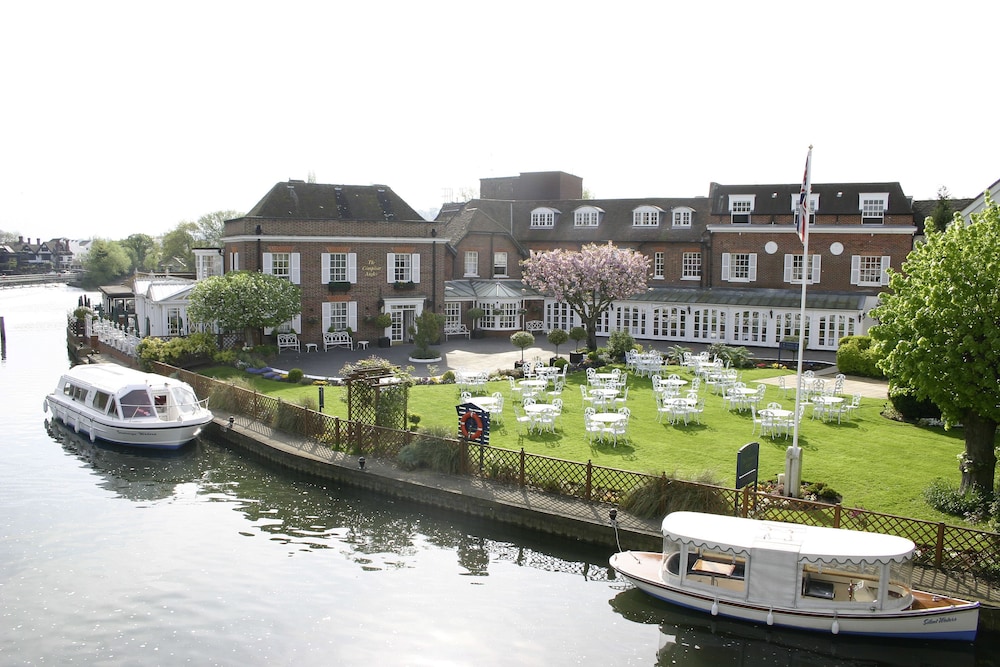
{"x":803,"y":577}
{"x":128,"y":407}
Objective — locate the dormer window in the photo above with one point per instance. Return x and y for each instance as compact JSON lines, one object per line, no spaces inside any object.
{"x":646,"y":216}
{"x":813,"y":207}
{"x":544,"y":217}
{"x":681,"y":216}
{"x":587,"y":216}
{"x":873,"y":206}
{"x":740,"y":208}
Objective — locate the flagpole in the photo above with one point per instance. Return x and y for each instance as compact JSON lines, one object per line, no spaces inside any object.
{"x":793,"y":457}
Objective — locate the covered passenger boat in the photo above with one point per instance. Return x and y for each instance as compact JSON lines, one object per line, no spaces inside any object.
{"x":127,"y":406}
{"x":803,"y":577}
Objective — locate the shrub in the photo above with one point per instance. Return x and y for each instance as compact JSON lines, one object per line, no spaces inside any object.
{"x":663,"y":495}
{"x":945,"y":497}
{"x":560,"y":362}
{"x":557,"y":337}
{"x":295,"y":375}
{"x":222,"y":397}
{"x":856,"y":356}
{"x":738,"y":357}
{"x":448,"y":377}
{"x":576,"y":334}
{"x":431,"y":449}
{"x":909,"y":407}
{"x":619,"y":342}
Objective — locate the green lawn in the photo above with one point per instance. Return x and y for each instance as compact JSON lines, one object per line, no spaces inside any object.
{"x":875,"y":463}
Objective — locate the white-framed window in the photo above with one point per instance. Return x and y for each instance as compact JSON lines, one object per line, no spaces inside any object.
{"x":544,"y":217}
{"x":681,"y":216}
{"x":873,"y":206}
{"x":740,"y":208}
{"x":739,"y":267}
{"x":794,"y":266}
{"x":659,"y":264}
{"x":339,"y":267}
{"x":813,"y":207}
{"x":175,"y":323}
{"x":587,"y":216}
{"x":471,"y":263}
{"x":691,"y":266}
{"x":340,"y":315}
{"x":499,"y":265}
{"x":234,"y":261}
{"x":453,"y":313}
{"x":646,"y":216}
{"x":282,"y":264}
{"x":207,"y":263}
{"x":870,"y":270}
{"x":402,"y":267}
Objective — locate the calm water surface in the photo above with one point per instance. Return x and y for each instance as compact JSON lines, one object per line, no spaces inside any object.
{"x":109,"y":557}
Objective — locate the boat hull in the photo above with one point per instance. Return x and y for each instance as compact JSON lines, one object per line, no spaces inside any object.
{"x":953,"y":622}
{"x":150,"y":434}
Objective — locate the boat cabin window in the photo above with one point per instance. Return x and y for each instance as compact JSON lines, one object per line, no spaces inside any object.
{"x":75,"y":392}
{"x":136,"y":404}
{"x":101,"y":399}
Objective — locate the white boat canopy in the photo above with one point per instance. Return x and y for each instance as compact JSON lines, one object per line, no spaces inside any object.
{"x":813,"y":543}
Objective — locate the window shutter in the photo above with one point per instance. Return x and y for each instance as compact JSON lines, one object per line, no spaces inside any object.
{"x":352,"y":269}
{"x":788,"y":267}
{"x":326,"y":315}
{"x":753,"y":267}
{"x":855,"y":269}
{"x":266,"y":263}
{"x":234,"y":261}
{"x":816,"y":268}
{"x":352,"y":315}
{"x":885,"y":269}
{"x":293,"y":269}
{"x":415,"y":268}
{"x":390,"y":267}
{"x":725,"y":266}
{"x":324,"y":269}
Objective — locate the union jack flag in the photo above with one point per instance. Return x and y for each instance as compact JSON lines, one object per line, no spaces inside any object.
{"x":804,"y":196}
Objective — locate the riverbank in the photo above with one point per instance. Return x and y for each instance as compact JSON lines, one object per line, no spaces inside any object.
{"x":565,"y":516}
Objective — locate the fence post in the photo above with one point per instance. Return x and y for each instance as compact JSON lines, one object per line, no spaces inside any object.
{"x":588,"y":484}
{"x":522,"y":467}
{"x":836,"y":515}
{"x":939,"y":547}
{"x":463,"y":456}
{"x":336,"y":432}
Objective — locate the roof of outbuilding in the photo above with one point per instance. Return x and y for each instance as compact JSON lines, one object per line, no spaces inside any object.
{"x":320,"y":201}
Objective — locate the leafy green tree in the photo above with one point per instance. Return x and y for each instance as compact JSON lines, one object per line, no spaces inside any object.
{"x":942,"y":214}
{"x":588,"y":281}
{"x":142,"y":250}
{"x":939,"y":333}
{"x":8,"y":237}
{"x":176,"y":246}
{"x":106,"y":263}
{"x":244,"y":301}
{"x":208,"y":232}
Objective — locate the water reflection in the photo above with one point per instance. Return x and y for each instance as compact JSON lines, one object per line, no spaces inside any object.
{"x":691,"y":638}
{"x":374,"y":531}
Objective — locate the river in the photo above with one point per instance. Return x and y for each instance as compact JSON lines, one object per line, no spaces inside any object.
{"x":112,"y":557}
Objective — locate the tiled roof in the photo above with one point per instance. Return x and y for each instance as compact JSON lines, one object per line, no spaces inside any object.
{"x":834,"y":198}
{"x":299,"y":200}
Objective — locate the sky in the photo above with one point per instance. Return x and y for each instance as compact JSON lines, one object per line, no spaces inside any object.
{"x":127,"y":117}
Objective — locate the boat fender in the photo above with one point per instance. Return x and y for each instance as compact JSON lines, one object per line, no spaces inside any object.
{"x":45,"y":405}
{"x":835,"y":629}
{"x":770,"y":616}
{"x":76,"y":425}
{"x":715,"y":607}
{"x":93,"y":437}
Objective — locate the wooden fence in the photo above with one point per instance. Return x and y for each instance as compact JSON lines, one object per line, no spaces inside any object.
{"x":939,"y":545}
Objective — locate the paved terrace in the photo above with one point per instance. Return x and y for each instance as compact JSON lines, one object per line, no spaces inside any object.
{"x":491,"y":354}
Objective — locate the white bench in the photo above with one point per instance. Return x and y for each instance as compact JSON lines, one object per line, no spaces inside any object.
{"x":534,"y":325}
{"x":288,"y":341}
{"x":456,"y":330}
{"x":337,"y":339}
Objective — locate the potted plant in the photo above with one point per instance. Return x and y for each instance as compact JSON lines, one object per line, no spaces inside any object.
{"x":522,"y":339}
{"x":557,"y":337}
{"x":474,"y":314}
{"x":426,"y":331}
{"x":577,"y":334}
{"x":383,"y":321}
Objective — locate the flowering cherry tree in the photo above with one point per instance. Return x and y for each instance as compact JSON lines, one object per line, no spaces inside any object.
{"x":588,"y":281}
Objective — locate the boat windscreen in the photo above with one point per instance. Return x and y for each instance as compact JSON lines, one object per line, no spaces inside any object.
{"x":136,"y":404}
